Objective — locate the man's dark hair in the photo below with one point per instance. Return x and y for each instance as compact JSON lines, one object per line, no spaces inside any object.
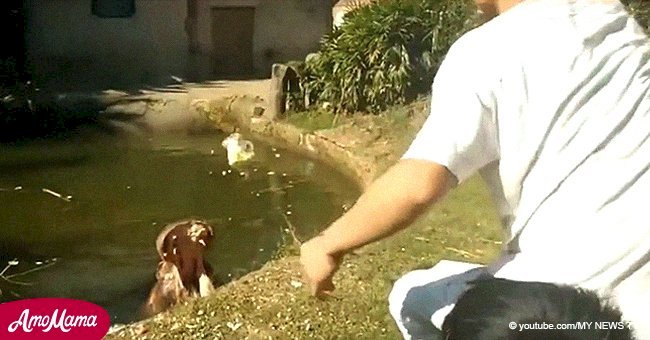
{"x":492,"y":306}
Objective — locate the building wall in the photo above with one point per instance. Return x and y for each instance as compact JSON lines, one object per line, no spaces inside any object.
{"x":70,"y":48}
{"x":284,"y":37}
{"x":284,"y":29}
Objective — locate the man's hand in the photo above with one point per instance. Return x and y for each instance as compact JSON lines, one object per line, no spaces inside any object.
{"x":318,"y":266}
{"x":390,"y":204}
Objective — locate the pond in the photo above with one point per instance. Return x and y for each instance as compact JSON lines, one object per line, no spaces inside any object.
{"x":81,"y":215}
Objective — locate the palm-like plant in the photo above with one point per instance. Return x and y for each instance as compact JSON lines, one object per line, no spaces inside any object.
{"x":384,"y":53}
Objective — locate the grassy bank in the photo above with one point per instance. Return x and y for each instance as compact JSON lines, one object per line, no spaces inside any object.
{"x":273,"y":303}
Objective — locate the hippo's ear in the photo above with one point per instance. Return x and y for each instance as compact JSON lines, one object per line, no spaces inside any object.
{"x":248,"y":146}
{"x":165,"y":248}
{"x":165,"y":240}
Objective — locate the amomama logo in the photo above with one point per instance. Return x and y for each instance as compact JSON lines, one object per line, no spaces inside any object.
{"x":52,"y":318}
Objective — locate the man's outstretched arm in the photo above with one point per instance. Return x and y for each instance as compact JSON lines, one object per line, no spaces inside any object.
{"x":390,"y":204}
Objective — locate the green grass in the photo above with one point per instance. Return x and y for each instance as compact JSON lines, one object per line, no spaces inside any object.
{"x":313,"y":120}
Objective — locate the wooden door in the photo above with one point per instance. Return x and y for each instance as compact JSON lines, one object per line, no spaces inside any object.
{"x":232,"y":41}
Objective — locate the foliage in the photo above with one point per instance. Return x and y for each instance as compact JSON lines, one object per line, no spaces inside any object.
{"x":383,"y":54}
{"x":641,"y":11}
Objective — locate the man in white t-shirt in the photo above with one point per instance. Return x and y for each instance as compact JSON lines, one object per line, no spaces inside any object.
{"x":550,"y":101}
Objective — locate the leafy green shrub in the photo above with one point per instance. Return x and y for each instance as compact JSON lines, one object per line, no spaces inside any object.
{"x":385,"y":53}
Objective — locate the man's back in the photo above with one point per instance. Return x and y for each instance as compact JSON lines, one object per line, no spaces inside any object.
{"x":574,"y":127}
{"x":558,"y":92}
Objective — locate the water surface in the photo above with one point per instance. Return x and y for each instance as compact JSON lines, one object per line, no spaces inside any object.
{"x":84,"y":213}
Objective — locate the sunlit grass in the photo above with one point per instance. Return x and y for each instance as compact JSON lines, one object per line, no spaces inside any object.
{"x":313,"y":120}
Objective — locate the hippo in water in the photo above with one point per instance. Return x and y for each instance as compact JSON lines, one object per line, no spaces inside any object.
{"x":182,"y":271}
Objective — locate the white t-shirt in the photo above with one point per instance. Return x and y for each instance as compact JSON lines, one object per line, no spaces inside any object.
{"x":558,"y":93}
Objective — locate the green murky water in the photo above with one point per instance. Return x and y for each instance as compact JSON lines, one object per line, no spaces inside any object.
{"x":81,"y":216}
